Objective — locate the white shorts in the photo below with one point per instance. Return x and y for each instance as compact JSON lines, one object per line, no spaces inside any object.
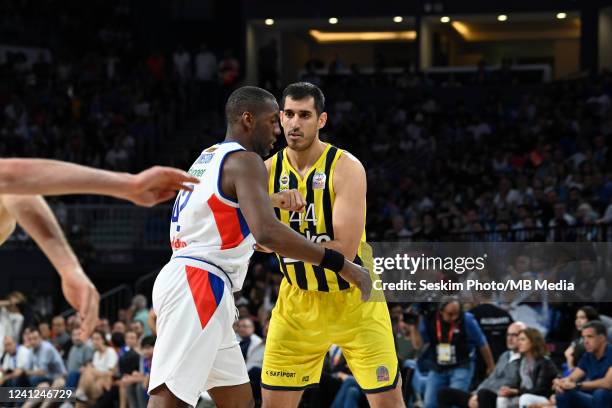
{"x":196,"y":348}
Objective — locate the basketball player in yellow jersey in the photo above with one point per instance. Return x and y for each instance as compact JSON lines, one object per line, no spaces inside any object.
{"x":316,"y":307}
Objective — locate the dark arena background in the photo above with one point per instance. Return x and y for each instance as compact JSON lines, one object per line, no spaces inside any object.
{"x":476,"y":121}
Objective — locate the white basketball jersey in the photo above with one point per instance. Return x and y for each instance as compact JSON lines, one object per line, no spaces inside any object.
{"x":208,"y":226}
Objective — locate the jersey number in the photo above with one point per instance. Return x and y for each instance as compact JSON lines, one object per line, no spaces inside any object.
{"x":308,"y":216}
{"x":184,"y":196}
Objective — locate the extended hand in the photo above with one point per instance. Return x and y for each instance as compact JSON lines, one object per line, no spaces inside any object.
{"x":359,"y":277}
{"x":158,"y":184}
{"x":83,"y":296}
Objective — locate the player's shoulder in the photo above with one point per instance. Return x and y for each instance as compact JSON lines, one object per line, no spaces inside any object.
{"x":268,"y":162}
{"x":348,"y":162}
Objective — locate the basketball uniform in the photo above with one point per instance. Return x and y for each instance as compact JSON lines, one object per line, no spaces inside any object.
{"x":196,"y":348}
{"x":316,"y":307}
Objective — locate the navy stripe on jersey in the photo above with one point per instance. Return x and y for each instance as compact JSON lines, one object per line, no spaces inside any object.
{"x":277,"y":174}
{"x":300,"y":270}
{"x":318,"y":271}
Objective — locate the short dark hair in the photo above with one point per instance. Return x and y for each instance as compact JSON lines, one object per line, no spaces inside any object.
{"x":118,"y":339}
{"x":148,"y":341}
{"x":598,"y":326}
{"x":302,"y":90}
{"x":447,"y":300}
{"x":590,"y":313}
{"x":246,"y":99}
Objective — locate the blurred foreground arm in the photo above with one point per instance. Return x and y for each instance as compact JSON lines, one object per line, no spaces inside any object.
{"x":36,"y":218}
{"x":52,"y":177}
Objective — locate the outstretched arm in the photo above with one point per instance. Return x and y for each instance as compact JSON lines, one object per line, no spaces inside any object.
{"x":52,"y":177}
{"x":245,"y":177}
{"x":36,"y":218}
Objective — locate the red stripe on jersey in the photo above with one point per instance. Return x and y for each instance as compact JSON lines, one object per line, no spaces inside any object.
{"x":228,"y":224}
{"x":202,"y":293}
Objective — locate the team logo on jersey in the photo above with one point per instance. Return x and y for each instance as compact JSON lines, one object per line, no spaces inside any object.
{"x":284,"y":182}
{"x":205,"y":158}
{"x":318,"y":181}
{"x":210,"y":149}
{"x":382,"y":374}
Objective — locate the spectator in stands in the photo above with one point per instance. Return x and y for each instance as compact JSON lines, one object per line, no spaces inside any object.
{"x":137,"y":382}
{"x":59,"y":336}
{"x":590,"y":384}
{"x":206,"y":78}
{"x":119,"y":327}
{"x":138,"y":328}
{"x":494,"y":322}
{"x":14,"y":363}
{"x":140,"y":313}
{"x":11,"y":318}
{"x":249,"y":342}
{"x":45,"y":330}
{"x":47,"y":364}
{"x":79,"y":356}
{"x":453,"y":336}
{"x":506,"y":372}
{"x":574,"y":352}
{"x":182,"y":63}
{"x":129,"y":362}
{"x":96,"y":378}
{"x":104,"y":327}
{"x":536,"y":373}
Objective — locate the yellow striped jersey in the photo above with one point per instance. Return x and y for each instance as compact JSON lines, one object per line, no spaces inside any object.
{"x":315,"y":223}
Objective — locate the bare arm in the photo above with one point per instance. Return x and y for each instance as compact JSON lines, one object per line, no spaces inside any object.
{"x":36,"y":218}
{"x":52,"y":177}
{"x":245,"y":177}
{"x":348,"y":216}
{"x":605,"y":382}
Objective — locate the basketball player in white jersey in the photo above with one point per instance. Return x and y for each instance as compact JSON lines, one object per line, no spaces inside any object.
{"x":213,"y":233}
{"x":20,"y":179}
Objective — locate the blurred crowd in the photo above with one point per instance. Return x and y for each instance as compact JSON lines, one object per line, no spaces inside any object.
{"x":498,"y":356}
{"x":451,"y":161}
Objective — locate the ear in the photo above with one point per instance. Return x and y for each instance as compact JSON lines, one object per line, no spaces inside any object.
{"x":247,"y":120}
{"x":322,"y":120}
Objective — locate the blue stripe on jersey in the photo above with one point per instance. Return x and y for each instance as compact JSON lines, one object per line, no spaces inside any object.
{"x":244,"y":227}
{"x":216,"y":285}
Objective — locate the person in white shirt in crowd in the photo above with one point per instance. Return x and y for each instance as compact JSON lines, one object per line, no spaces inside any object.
{"x":182,"y":63}
{"x":97,"y":377}
{"x":206,"y":78}
{"x":14,"y":362}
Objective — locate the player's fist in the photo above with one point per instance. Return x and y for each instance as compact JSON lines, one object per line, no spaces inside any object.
{"x":359,"y":277}
{"x":290,"y":200}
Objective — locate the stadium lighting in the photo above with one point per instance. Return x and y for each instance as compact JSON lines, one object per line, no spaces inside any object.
{"x":445,"y":19}
{"x":398,"y":19}
{"x":333,"y":20}
{"x":336,"y":37}
{"x":561,"y":16}
{"x":269,"y":21}
{"x":502,"y":17}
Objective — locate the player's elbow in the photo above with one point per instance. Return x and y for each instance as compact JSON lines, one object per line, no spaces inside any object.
{"x":265,"y":236}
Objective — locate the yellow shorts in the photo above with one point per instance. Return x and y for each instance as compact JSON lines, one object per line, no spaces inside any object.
{"x":306,"y":323}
